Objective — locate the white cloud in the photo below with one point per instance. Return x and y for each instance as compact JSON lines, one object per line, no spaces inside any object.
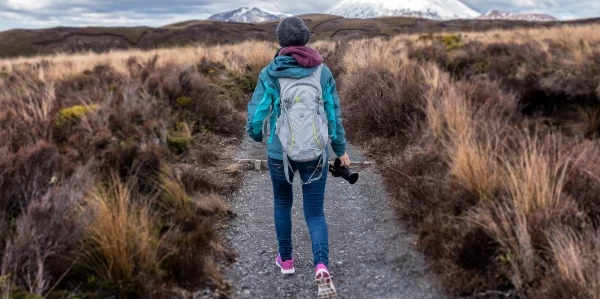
{"x":28,"y":4}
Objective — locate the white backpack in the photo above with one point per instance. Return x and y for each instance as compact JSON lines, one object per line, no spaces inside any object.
{"x":302,"y":126}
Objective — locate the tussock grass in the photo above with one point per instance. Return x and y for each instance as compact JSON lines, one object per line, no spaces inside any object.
{"x":577,"y":256}
{"x":122,"y":238}
{"x":174,"y":200}
{"x":536,"y":178}
{"x":448,"y":112}
{"x":476,"y":167}
{"x":375,"y":53}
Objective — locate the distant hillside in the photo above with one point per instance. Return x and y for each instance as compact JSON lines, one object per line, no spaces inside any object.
{"x":248,"y":15}
{"x":98,"y":39}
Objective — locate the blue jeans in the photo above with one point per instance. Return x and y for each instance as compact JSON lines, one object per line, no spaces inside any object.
{"x":313,"y":196}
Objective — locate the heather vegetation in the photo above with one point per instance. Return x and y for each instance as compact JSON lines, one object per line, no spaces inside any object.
{"x":114,"y":168}
{"x":488,"y":145}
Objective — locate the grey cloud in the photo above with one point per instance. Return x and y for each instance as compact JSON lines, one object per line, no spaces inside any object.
{"x":159,"y":12}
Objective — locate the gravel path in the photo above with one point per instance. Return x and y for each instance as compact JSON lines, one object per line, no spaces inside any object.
{"x":370,"y":255}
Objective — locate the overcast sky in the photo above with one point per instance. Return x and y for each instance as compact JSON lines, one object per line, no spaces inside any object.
{"x":51,"y":13}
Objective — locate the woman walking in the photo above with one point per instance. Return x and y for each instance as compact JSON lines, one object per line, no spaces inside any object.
{"x":296,"y":94}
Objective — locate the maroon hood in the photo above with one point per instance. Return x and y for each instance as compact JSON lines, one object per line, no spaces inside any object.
{"x":306,"y":56}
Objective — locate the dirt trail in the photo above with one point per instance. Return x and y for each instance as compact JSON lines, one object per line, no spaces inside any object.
{"x":370,"y":254}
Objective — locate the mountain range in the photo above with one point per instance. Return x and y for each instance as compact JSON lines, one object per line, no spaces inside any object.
{"x":248,"y":15}
{"x":365,"y":9}
{"x":427,"y":9}
{"x":502,"y":15}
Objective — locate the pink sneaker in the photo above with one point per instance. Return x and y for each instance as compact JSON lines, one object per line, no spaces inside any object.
{"x":324,"y":283}
{"x":286,"y":267}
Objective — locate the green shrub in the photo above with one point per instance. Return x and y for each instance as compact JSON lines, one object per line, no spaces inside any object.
{"x":73,"y":114}
{"x":184,"y":101}
{"x":178,"y":142}
{"x":482,"y":67}
{"x":451,"y":41}
{"x":22,"y":294}
{"x":237,"y":89}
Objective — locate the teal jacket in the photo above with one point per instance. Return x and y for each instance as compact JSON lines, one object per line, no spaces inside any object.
{"x":266,"y":99}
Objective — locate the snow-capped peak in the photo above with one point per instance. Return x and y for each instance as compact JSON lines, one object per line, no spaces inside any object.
{"x":503,"y":15}
{"x":430,"y":9}
{"x":248,"y":15}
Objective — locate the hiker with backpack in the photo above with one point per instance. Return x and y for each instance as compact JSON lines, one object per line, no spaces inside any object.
{"x":296,"y":96}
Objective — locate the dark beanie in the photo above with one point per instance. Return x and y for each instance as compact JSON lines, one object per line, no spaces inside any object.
{"x":292,"y":31}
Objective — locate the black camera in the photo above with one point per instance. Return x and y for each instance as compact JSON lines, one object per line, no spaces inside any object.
{"x":337,"y":170}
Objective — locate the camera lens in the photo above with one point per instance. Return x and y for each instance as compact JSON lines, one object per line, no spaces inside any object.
{"x":353,"y":178}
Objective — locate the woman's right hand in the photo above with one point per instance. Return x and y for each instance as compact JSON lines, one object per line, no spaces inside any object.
{"x":345,"y":159}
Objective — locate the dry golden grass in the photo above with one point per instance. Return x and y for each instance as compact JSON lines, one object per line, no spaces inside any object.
{"x":33,"y":102}
{"x":448,"y":112}
{"x":323,"y":46}
{"x":174,"y":200}
{"x":536,"y":178}
{"x":474,"y":164}
{"x":573,"y":37}
{"x":212,"y":270}
{"x":211,"y":202}
{"x":376,"y":53}
{"x":122,"y":238}
{"x":509,"y":227}
{"x":256,"y":55}
{"x":578,"y":259}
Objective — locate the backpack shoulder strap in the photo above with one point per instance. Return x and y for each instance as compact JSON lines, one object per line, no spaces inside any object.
{"x":318,"y":73}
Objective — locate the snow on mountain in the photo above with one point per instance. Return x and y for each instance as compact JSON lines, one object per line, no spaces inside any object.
{"x":429,"y":9}
{"x":248,"y":15}
{"x":503,"y":15}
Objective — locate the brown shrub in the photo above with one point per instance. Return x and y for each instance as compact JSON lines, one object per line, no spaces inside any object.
{"x":190,"y":93}
{"x":188,"y":255}
{"x":92,"y":87}
{"x":28,"y":174}
{"x":380,"y":104}
{"x":147,"y":168}
{"x":418,"y":175}
{"x":212,"y":204}
{"x":223,"y":179}
{"x":548,"y":77}
{"x":50,"y":228}
{"x":583,"y":183}
{"x":26,"y":103}
{"x":333,"y":53}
